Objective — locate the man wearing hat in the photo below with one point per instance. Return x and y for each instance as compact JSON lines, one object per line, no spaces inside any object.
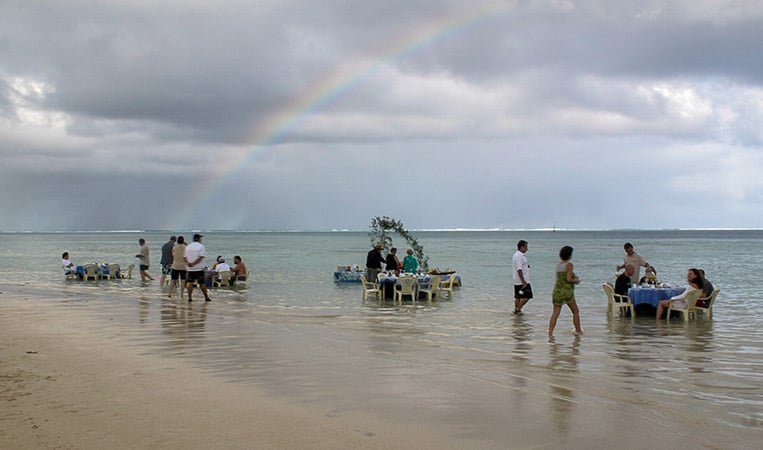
{"x":374,"y":262}
{"x":166,"y":261}
{"x":194,"y":258}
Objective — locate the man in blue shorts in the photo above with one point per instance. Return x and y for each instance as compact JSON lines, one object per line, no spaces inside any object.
{"x":166,"y":261}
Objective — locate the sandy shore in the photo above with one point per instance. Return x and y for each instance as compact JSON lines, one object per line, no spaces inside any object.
{"x":71,"y":378}
{"x":62,"y":388}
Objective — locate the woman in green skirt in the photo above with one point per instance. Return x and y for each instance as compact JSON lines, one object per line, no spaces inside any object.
{"x":564,"y":291}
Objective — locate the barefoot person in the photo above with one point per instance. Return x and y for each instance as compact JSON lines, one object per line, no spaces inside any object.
{"x":194,"y":259}
{"x":144,"y":260}
{"x":564,"y":291}
{"x":523,"y":292}
{"x":166,"y":261}
{"x":179,"y":267}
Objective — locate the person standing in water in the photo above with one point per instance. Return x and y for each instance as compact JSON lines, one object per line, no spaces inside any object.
{"x":523,"y":292}
{"x":144,"y":260}
{"x":564,"y":291}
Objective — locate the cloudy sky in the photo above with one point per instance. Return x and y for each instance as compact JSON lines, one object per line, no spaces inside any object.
{"x":319,"y":115}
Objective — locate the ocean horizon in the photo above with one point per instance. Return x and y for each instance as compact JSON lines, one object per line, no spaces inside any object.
{"x":415,"y":230}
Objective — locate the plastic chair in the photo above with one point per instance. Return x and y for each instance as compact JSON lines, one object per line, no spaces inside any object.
{"x":448,"y":285}
{"x":706,"y":304}
{"x":130,"y":268}
{"x":406,"y":285}
{"x":621,"y":302}
{"x":369,"y":288}
{"x":689,"y":308}
{"x":91,"y":272}
{"x":432,"y":287}
{"x":238,"y":279}
{"x":113,"y":271}
{"x":224,"y":279}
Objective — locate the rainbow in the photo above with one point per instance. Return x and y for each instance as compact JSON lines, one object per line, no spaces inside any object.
{"x":281,"y":123}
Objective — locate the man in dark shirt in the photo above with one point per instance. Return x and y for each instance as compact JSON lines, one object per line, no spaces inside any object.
{"x":374,"y":262}
{"x":707,"y":290}
{"x":623,"y":282}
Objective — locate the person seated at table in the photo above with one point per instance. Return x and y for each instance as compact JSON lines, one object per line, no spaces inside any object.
{"x":410,"y":263}
{"x":238,"y":272}
{"x":707,"y":290}
{"x":221,"y":267}
{"x":211,"y":272}
{"x":650,"y":276}
{"x":393,"y":263}
{"x":623,"y":282}
{"x":694,"y":277}
{"x":68,"y":266}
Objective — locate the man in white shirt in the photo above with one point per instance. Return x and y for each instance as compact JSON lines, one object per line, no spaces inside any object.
{"x":521,"y":273}
{"x":68,"y":266}
{"x":194,"y":258}
{"x":222,"y":266}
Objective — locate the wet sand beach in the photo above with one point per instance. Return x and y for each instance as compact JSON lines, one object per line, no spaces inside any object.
{"x":65,"y":388}
{"x":76,"y":374}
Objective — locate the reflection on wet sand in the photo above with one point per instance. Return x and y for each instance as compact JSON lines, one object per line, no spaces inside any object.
{"x":183,"y":321}
{"x":563,"y":362}
{"x":522,"y":331}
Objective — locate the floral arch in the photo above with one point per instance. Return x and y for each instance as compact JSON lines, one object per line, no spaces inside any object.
{"x":379,"y":234}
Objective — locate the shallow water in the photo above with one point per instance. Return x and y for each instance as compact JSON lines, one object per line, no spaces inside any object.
{"x":460,"y":363}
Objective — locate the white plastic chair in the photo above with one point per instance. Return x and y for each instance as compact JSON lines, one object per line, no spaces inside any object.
{"x":617,"y":301}
{"x":113,"y":271}
{"x":369,"y":288}
{"x":91,"y":272}
{"x":224,"y":279}
{"x":448,"y":286}
{"x":239,"y":279}
{"x":688,"y":308}
{"x":130,"y":268}
{"x":706,"y":304}
{"x":432,"y":287}
{"x":406,"y":285}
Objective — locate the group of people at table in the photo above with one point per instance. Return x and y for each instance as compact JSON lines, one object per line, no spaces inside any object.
{"x":375,"y":259}
{"x":181,"y":262}
{"x":629,"y":280}
{"x":393,"y":268}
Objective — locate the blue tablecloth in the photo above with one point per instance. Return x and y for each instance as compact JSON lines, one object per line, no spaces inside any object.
{"x":652,"y":296}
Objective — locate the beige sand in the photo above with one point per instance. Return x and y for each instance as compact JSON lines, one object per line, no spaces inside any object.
{"x":64,"y":389}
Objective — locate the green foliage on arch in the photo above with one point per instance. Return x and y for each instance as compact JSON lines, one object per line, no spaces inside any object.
{"x":381,"y":226}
